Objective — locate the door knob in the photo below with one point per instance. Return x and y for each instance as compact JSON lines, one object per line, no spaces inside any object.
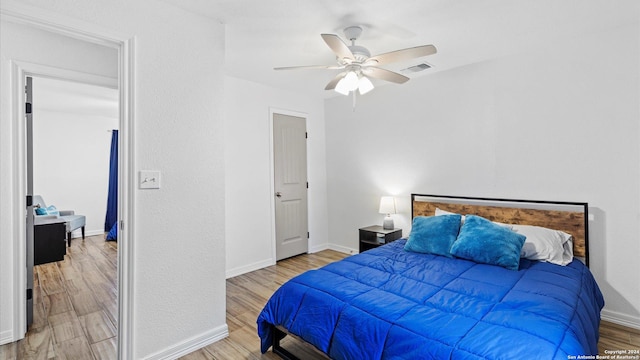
{"x":278,"y":194}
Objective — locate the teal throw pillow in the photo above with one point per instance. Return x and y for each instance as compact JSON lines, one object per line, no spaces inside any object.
{"x":41,"y":211}
{"x":485,"y":242}
{"x":51,"y":210}
{"x":433,"y":234}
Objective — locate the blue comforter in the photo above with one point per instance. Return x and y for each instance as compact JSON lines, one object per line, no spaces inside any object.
{"x":393,"y":304}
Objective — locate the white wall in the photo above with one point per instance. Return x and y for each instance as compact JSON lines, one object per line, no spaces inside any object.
{"x":248,"y":200}
{"x":179,"y":277}
{"x":71,"y":147}
{"x":553,"y":124}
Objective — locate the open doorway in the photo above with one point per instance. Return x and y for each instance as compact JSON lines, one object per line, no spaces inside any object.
{"x":73,"y":125}
{"x":21,"y":34}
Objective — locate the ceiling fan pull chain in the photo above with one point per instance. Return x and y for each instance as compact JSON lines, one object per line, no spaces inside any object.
{"x":354,"y":100}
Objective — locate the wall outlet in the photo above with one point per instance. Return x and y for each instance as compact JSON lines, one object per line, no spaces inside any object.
{"x":149,"y":179}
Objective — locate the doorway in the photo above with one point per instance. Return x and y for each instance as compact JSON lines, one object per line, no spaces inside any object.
{"x":75,"y":120}
{"x":20,"y":70}
{"x":72,"y":128}
{"x":290,"y":185}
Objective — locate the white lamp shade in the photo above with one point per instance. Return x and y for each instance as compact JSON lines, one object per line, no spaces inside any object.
{"x":387,"y":205}
{"x":348,"y":83}
{"x":341,"y":87}
{"x":364,"y":85}
{"x":351,"y":81}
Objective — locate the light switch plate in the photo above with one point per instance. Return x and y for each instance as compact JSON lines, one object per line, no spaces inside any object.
{"x":149,"y":179}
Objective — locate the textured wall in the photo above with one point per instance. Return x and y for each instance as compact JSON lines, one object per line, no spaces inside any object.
{"x":179,"y":287}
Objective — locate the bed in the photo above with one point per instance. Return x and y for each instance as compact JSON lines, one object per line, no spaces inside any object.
{"x":392,"y":303}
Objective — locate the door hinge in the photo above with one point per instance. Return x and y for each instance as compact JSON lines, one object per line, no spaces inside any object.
{"x":27,"y":108}
{"x":307,"y":234}
{"x":29,"y":294}
{"x":122,"y":225}
{"x":306,"y":135}
{"x":307,"y":184}
{"x":29,"y":200}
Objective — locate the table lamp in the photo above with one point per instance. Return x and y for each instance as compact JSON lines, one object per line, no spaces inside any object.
{"x":387,"y":206}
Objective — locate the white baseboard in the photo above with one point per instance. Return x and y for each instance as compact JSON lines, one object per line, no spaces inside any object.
{"x":6,"y":337}
{"x":191,"y":345}
{"x":318,"y":248}
{"x":249,"y":268}
{"x":77,"y":233}
{"x":328,"y":246}
{"x":268,"y":262}
{"x":343,"y":249}
{"x":620,"y":319}
{"x":91,"y":233}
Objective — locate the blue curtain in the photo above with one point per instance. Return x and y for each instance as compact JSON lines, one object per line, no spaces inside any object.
{"x":112,"y":198}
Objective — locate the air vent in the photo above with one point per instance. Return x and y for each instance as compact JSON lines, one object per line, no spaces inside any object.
{"x":417,"y":68}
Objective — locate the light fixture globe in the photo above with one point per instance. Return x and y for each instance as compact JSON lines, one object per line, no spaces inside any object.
{"x":364,"y":85}
{"x":351,"y":81}
{"x":341,"y":88}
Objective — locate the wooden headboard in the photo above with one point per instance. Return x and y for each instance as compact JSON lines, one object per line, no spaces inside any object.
{"x":570,"y":217}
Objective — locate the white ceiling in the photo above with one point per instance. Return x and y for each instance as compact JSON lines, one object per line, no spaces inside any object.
{"x":263,"y":34}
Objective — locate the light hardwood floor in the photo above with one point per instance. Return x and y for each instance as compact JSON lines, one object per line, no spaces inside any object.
{"x":76,"y":309}
{"x":75,"y":306}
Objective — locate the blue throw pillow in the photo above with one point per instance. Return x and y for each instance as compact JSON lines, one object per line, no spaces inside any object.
{"x":433,"y":234}
{"x":113,"y":233}
{"x":51,"y":210}
{"x":483,"y":241}
{"x":41,"y":211}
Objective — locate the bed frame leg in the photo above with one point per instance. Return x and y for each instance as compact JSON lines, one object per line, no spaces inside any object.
{"x":279,"y":350}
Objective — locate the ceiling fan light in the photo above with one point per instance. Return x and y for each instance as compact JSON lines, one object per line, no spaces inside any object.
{"x":341,"y":87}
{"x":364,"y":85}
{"x":350,"y":81}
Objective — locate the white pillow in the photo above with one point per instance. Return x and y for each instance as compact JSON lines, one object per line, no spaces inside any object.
{"x":440,"y":212}
{"x":544,"y":244}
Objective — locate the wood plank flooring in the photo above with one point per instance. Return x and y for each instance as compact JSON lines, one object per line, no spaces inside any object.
{"x":75,"y":307}
{"x":75,"y":316}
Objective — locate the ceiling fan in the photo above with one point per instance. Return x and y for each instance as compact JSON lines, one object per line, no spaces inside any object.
{"x":359,"y":65}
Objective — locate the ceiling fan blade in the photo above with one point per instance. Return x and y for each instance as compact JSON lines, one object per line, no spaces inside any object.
{"x":310,"y":67}
{"x":401,"y":55}
{"x":338,"y":46}
{"x":332,"y":84}
{"x":386,"y":75}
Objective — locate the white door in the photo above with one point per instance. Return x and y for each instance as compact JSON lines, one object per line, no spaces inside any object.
{"x":290,"y":185}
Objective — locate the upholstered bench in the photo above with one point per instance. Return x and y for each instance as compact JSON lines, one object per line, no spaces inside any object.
{"x":72,"y":221}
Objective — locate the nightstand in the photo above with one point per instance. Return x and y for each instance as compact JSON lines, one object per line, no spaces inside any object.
{"x":374,"y":236}
{"x":49,"y":242}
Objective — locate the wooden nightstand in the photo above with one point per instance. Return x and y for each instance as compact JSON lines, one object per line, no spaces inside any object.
{"x":374,"y":236}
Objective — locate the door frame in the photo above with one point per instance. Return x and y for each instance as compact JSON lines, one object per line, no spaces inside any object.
{"x":61,"y":25}
{"x":272,"y":185}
